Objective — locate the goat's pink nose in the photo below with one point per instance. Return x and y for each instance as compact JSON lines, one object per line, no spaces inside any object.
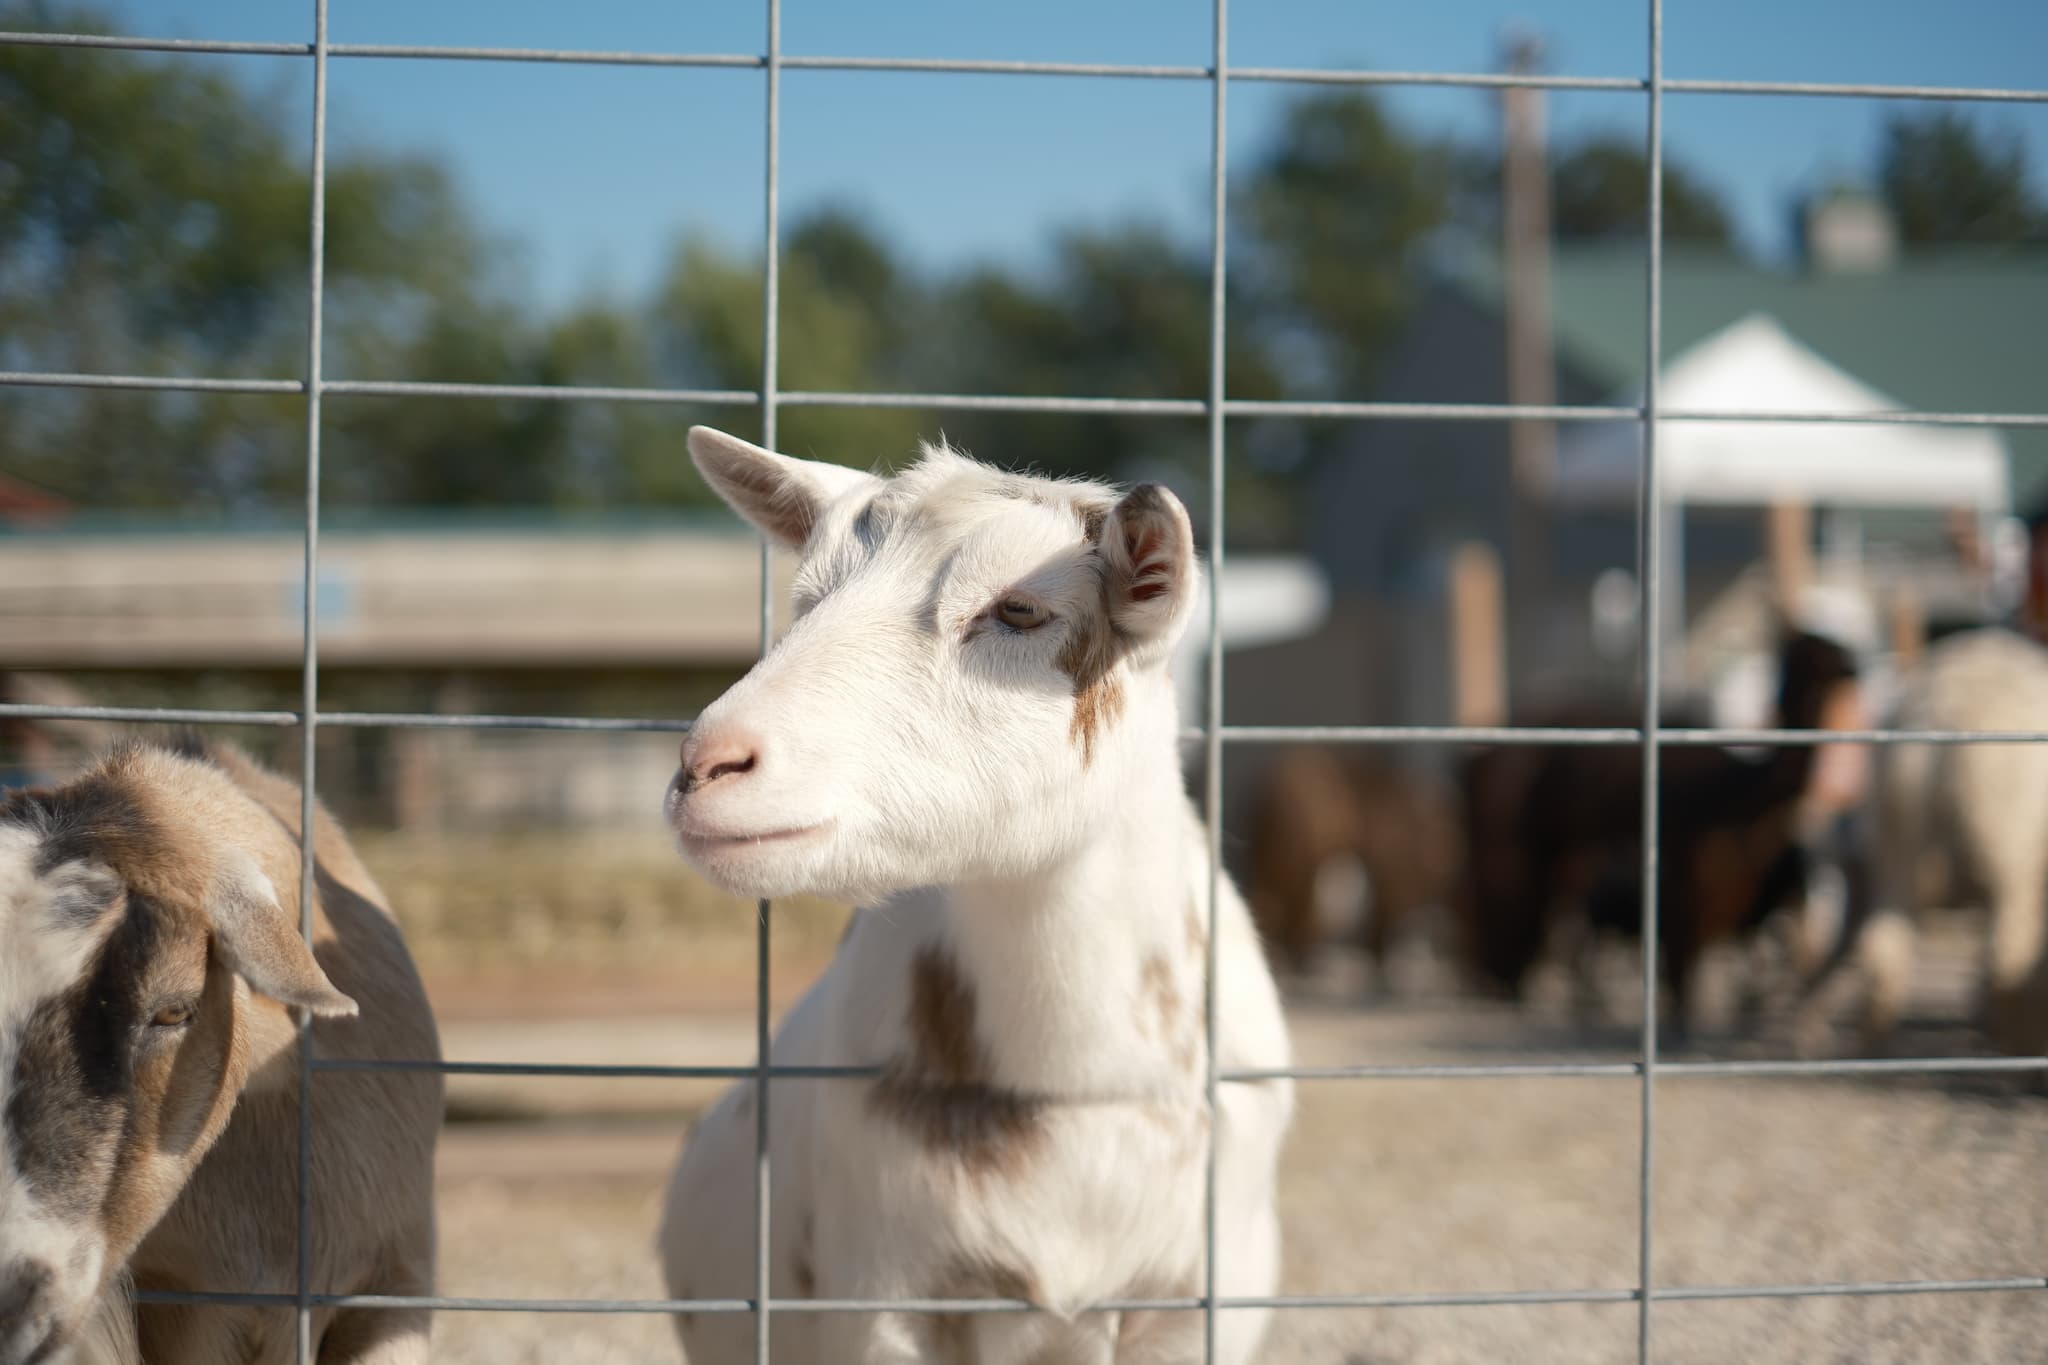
{"x":724,"y":753}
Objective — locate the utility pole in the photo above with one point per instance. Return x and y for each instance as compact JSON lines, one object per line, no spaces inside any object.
{"x":1531,"y":366}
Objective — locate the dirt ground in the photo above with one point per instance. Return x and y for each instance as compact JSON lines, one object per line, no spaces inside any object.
{"x":550,"y":1188}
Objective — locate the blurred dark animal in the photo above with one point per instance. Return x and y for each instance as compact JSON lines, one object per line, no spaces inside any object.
{"x":1555,"y":832}
{"x":1347,"y":846}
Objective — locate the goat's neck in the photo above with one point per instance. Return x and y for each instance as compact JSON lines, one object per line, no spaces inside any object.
{"x":1055,"y":958}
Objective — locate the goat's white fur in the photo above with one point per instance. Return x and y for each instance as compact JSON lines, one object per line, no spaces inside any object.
{"x":932,"y":762}
{"x":1974,"y":814}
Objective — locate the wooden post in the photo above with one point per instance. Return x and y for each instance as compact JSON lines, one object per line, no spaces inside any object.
{"x":1909,"y":627}
{"x":1531,"y":365}
{"x":1478,"y":646}
{"x":1791,"y":553}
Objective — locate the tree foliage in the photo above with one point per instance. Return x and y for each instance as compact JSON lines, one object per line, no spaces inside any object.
{"x":1600,"y":189}
{"x":1949,"y":180}
{"x":1600,"y":192}
{"x":1335,"y":205}
{"x":154,"y":219}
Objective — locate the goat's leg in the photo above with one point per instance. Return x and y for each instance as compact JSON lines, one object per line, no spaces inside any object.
{"x":1161,"y":1338}
{"x":2002,"y":810}
{"x":1874,"y":944}
{"x":387,"y":1336}
{"x":2015,"y":1011}
{"x":890,"y":1338}
{"x":376,"y":1336}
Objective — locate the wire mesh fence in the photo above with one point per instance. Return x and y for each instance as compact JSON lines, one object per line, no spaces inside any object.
{"x":1212,"y":734}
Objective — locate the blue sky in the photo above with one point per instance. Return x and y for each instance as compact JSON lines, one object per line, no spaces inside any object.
{"x":589,"y":174}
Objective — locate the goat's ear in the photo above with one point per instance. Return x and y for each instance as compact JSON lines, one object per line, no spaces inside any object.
{"x":781,"y":496}
{"x":262,"y":942}
{"x":1149,"y":576}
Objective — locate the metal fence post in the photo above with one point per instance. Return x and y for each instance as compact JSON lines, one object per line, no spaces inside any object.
{"x":309,"y":670}
{"x":1651,"y":520}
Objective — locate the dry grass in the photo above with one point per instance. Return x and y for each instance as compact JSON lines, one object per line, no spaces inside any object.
{"x":474,"y":901}
{"x":1408,"y":1186}
{"x":551,"y":1187}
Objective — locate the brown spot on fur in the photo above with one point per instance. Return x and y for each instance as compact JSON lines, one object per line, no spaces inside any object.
{"x":941,"y":1020}
{"x":939,"y":1089}
{"x":1164,"y":1013}
{"x":1094,"y":709}
{"x":1090,"y":657}
{"x":989,"y":1131}
{"x":1093,"y":516}
{"x":1198,"y":936}
{"x":805,"y":1270}
{"x":1159,"y":993}
{"x":101,"y":817}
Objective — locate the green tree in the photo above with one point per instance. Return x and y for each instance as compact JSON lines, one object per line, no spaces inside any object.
{"x":153,"y":220}
{"x":1122,"y":313}
{"x":1600,"y":189}
{"x":847,"y":310}
{"x":1949,"y":179}
{"x":1334,"y":207}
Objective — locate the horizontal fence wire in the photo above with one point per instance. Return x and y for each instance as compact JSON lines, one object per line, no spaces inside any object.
{"x":1300,"y":409}
{"x":1282,"y":75}
{"x":1375,"y":1071}
{"x":1505,"y":735}
{"x":1224,"y":1303}
{"x":1652,"y":736}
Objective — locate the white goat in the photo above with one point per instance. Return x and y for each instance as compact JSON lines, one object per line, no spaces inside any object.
{"x":969,"y":728}
{"x":149,"y":1072}
{"x":1954,"y":823}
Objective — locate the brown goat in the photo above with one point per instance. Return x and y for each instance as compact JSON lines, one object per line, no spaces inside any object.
{"x":1346,"y":838}
{"x":150,"y":955}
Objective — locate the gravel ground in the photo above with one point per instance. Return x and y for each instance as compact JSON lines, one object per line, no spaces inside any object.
{"x":551,"y":1188}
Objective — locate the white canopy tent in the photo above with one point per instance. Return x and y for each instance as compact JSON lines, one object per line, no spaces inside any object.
{"x":1755,"y":366}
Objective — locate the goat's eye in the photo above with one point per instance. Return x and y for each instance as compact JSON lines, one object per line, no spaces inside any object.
{"x":1020,"y":613}
{"x":174,"y":1016}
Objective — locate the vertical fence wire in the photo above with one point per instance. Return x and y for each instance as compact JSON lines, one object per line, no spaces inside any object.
{"x":771,"y":340}
{"x":309,"y":669}
{"x":1212,"y":726}
{"x":1651,"y":619}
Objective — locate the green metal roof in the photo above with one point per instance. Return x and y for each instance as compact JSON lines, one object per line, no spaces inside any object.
{"x":1954,"y":331}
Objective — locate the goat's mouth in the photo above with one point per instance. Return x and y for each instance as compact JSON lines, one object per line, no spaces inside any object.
{"x":710,"y":839}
